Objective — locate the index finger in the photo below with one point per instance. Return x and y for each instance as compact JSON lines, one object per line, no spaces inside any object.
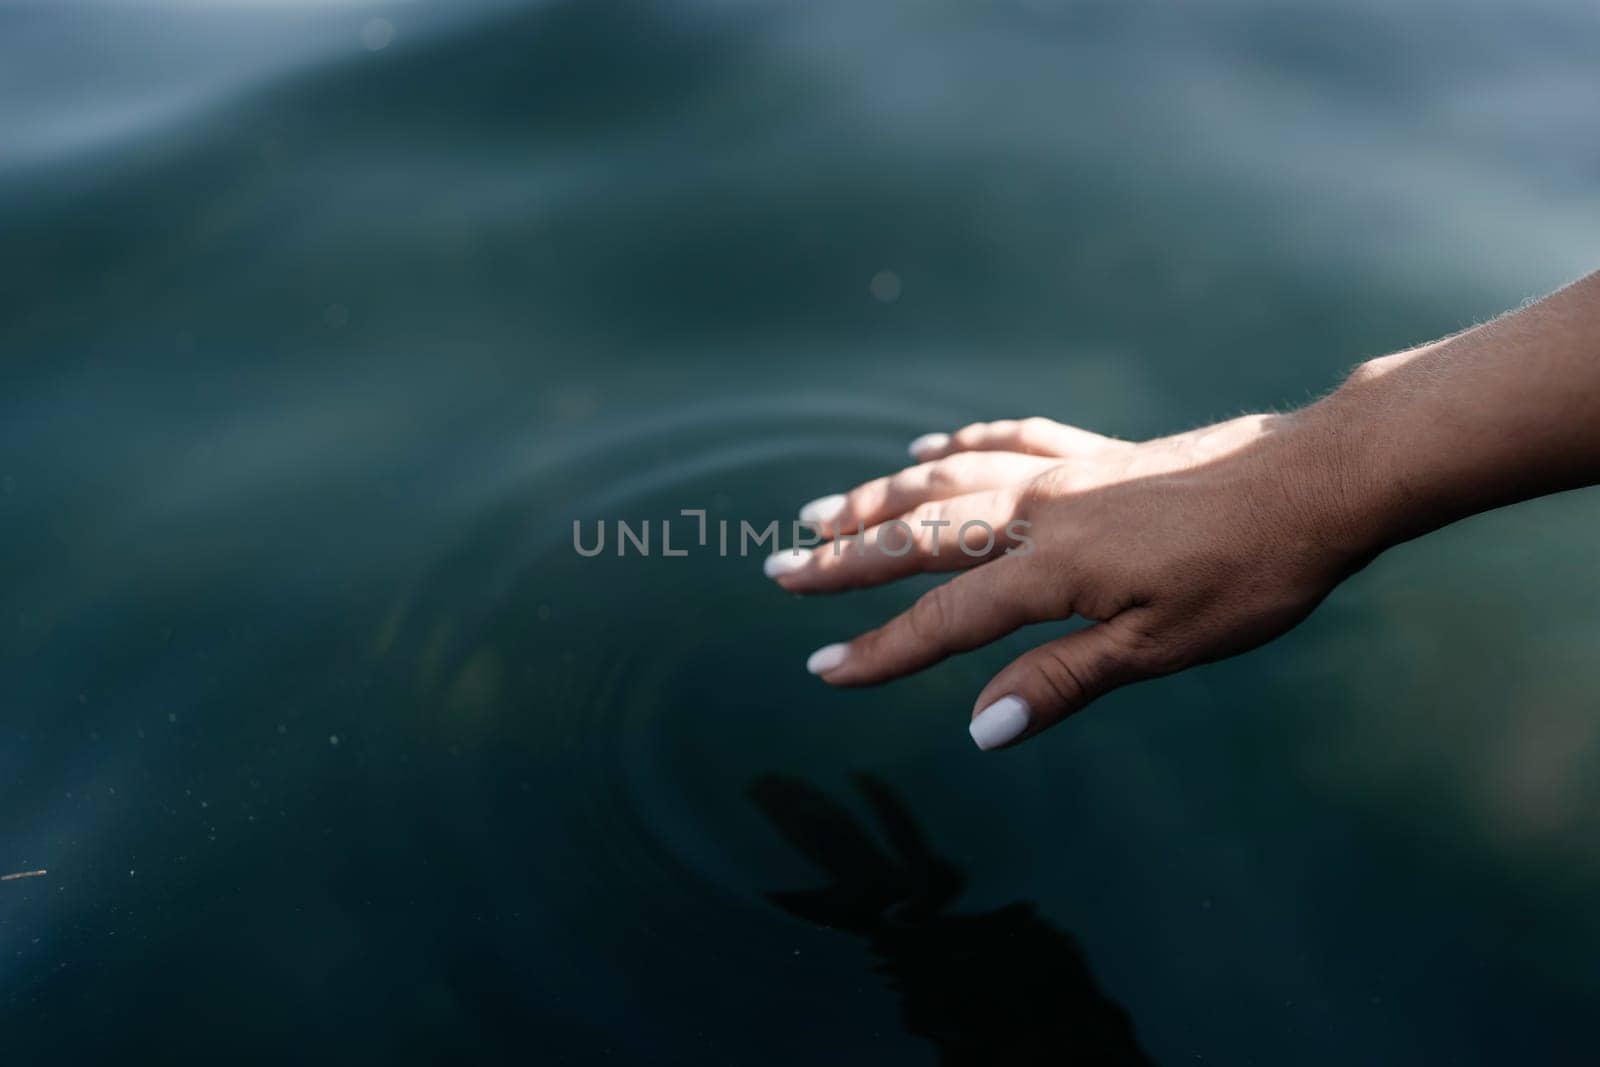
{"x":967,"y":612}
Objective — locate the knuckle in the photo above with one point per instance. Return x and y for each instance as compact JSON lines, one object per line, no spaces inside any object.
{"x":869,"y":647}
{"x":929,"y":617}
{"x":1035,"y":431}
{"x":1154,"y":652}
{"x":823,"y":562}
{"x":856,"y":501}
{"x":1026,"y":499}
{"x":971,"y":434}
{"x":945,"y":474}
{"x":898,"y":486}
{"x":1064,"y":679}
{"x":931,"y":511}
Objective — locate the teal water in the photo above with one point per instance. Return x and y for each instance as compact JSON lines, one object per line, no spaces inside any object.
{"x":335,"y":751}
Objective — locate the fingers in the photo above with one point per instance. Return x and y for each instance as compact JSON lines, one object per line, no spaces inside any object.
{"x":884,"y":498}
{"x":1044,"y":686}
{"x":941,"y":535}
{"x":966,"y":612}
{"x":1032,"y":436}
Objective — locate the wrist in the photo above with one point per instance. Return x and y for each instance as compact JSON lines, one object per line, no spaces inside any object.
{"x":1333,"y":483}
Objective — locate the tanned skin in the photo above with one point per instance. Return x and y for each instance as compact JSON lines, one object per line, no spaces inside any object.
{"x":1195,"y":547}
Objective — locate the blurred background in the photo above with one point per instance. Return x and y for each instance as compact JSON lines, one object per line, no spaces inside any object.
{"x":321,"y":323}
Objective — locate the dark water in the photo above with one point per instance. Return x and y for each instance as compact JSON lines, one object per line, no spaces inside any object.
{"x":335,"y":751}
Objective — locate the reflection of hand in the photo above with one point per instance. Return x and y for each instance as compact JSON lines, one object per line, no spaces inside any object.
{"x":1184,"y":549}
{"x":1190,"y":548}
{"x":870,"y":886}
{"x":998,"y":987}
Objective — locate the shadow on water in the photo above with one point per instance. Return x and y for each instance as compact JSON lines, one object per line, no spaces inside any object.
{"x":1001,"y":986}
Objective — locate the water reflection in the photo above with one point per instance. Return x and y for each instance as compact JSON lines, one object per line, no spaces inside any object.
{"x":1001,"y":986}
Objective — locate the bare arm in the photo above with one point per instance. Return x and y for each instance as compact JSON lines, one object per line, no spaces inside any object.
{"x":1501,"y":413}
{"x":1199,"y":546}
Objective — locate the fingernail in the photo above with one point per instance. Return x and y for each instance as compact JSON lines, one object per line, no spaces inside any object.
{"x":826,"y":658}
{"x":786,"y":562}
{"x":1000,"y":722}
{"x":823,"y":509}
{"x":928,"y":442}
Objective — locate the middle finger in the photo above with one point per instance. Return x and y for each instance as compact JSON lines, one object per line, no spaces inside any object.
{"x":884,"y":498}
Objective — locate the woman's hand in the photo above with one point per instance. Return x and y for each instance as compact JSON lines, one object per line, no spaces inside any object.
{"x":1194,"y":547}
{"x":1181,"y":550}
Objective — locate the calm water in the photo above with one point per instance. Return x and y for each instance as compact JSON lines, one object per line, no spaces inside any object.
{"x":320,"y":327}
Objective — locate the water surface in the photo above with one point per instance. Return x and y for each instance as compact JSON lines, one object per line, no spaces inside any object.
{"x":333,"y":748}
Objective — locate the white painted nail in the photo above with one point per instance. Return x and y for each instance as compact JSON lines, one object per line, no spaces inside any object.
{"x":823,"y":509}
{"x":786,"y":562}
{"x":928,"y":442}
{"x":826,"y":658}
{"x":1000,"y":722}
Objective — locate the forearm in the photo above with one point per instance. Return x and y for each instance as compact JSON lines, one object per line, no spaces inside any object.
{"x":1504,"y":412}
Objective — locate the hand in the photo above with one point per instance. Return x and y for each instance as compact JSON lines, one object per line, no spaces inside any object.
{"x":1181,"y":550}
{"x":1199,"y":546}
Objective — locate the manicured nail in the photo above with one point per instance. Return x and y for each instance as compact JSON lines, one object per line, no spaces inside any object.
{"x":826,"y":658}
{"x":927,"y":443}
{"x":823,"y":509}
{"x":786,"y":562}
{"x":1000,"y":722}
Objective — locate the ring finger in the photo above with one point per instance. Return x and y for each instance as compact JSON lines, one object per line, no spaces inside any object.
{"x":940,"y":535}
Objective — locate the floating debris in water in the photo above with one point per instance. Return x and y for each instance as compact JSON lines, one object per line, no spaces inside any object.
{"x":22,"y":874}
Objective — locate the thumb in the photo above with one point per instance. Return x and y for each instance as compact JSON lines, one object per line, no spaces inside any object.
{"x":1044,"y":686}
